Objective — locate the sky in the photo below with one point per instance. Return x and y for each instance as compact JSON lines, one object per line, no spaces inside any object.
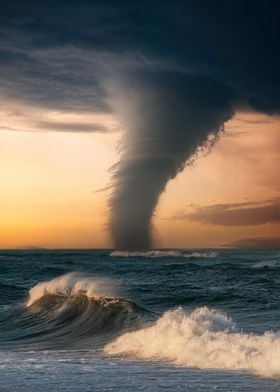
{"x":139,"y":126}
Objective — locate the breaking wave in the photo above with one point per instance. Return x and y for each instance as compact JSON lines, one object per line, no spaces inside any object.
{"x":164,"y":253}
{"x":203,"y":339}
{"x":73,"y":284}
{"x":71,"y":310}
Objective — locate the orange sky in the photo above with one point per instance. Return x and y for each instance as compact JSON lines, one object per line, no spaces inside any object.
{"x":49,"y":178}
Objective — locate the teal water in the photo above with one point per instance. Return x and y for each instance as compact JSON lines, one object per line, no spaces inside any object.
{"x":194,"y":320}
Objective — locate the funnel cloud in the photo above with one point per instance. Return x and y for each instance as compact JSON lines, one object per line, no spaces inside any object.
{"x":166,"y":120}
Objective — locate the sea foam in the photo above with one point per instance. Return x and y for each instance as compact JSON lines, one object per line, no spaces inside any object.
{"x":164,"y":253}
{"x":72,"y":284}
{"x":267,"y":264}
{"x":204,"y":339}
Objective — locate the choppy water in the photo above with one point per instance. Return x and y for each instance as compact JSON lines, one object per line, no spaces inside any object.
{"x":160,"y":320}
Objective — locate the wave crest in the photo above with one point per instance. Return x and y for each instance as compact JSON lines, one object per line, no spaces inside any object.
{"x":72,"y":284}
{"x":204,"y":339}
{"x":74,"y":310}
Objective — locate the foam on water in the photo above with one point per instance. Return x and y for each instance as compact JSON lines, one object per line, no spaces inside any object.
{"x":267,"y":264}
{"x":164,"y":253}
{"x":72,"y":284}
{"x":204,"y":339}
{"x":202,"y":255}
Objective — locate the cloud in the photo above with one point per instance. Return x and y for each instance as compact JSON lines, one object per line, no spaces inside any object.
{"x":166,"y":121}
{"x":74,"y":127}
{"x":235,"y":214}
{"x":16,"y":116}
{"x":255,"y":243}
{"x":57,"y":53}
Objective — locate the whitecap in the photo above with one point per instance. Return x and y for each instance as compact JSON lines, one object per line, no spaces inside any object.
{"x":204,"y":339}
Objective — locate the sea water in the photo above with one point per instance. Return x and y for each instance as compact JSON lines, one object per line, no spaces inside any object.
{"x":102,"y":320}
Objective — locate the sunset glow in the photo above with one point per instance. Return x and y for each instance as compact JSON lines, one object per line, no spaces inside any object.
{"x":50,"y":180}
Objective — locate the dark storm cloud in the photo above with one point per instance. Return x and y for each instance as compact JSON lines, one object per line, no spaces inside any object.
{"x":52,"y":78}
{"x":181,"y":68}
{"x":255,"y":243}
{"x":235,"y":214}
{"x":234,"y":42}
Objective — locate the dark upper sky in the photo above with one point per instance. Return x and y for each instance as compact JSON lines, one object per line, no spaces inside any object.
{"x":54,"y":53}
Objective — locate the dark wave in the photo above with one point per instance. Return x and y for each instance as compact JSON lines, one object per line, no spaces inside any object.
{"x":68,"y":320}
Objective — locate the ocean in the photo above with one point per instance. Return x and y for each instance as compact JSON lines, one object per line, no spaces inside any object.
{"x":103,"y":320}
